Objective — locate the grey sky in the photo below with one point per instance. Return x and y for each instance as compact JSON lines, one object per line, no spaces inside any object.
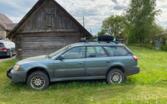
{"x":95,"y":11}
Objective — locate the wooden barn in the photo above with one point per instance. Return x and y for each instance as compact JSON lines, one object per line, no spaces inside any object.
{"x":46,"y":28}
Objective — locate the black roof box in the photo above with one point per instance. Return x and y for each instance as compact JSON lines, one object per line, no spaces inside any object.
{"x":106,"y":38}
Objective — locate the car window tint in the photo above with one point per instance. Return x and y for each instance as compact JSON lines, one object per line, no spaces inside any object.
{"x":95,"y":52}
{"x":91,"y":52}
{"x":100,"y":52}
{"x":1,"y":45}
{"x":117,"y":51}
{"x":75,"y":53}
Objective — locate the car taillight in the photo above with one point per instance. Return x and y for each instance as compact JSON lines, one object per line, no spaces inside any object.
{"x":135,"y":58}
{"x":4,"y":49}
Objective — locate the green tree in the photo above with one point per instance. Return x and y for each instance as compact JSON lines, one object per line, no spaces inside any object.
{"x":141,"y":19}
{"x":102,"y":32}
{"x":114,"y":25}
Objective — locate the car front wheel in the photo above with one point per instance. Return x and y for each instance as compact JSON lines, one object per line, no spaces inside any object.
{"x":115,"y":76}
{"x":38,"y":80}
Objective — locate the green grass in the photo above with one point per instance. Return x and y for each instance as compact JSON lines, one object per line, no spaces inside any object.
{"x":148,"y":87}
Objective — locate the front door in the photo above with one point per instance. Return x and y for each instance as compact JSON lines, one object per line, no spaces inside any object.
{"x":72,"y":63}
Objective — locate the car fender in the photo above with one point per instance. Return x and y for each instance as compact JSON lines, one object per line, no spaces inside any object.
{"x":28,"y":67}
{"x":116,"y":64}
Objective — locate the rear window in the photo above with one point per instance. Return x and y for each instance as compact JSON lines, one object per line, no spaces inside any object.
{"x":117,"y":51}
{"x":1,"y":45}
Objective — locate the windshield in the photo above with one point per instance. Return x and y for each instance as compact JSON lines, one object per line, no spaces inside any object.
{"x":57,"y":52}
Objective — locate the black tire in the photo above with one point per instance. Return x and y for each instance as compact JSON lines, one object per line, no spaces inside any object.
{"x":38,"y":80}
{"x":115,"y":76}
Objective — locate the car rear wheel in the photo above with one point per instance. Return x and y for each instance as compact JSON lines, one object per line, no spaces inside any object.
{"x":38,"y":80}
{"x":115,"y":76}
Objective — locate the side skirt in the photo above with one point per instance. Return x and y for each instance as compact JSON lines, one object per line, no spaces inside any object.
{"x":78,"y":78}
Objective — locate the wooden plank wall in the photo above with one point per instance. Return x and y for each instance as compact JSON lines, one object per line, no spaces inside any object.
{"x":40,"y":44}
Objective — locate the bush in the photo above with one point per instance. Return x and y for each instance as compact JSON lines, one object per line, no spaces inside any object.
{"x":164,"y":47}
{"x":149,"y":46}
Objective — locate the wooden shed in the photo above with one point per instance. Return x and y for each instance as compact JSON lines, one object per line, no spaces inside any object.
{"x":46,"y":28}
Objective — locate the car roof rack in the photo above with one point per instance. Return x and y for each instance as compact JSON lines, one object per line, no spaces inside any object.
{"x":102,"y":39}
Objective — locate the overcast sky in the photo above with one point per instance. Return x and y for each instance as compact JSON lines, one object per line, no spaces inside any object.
{"x":94,"y":11}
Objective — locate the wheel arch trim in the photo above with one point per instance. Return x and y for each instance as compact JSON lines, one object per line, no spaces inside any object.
{"x":119,"y":66}
{"x":38,"y":68}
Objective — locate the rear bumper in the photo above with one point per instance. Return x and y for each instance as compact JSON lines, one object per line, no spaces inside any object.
{"x":16,"y":77}
{"x":133,"y":71}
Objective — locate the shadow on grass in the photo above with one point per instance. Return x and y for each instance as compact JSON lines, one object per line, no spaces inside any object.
{"x":7,"y":57}
{"x":84,"y":86}
{"x":94,"y":88}
{"x":4,"y":57}
{"x":60,"y":85}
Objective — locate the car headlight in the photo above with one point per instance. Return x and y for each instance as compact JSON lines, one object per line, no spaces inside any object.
{"x":16,"y":67}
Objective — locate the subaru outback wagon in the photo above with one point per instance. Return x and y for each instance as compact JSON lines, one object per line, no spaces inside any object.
{"x":80,"y":61}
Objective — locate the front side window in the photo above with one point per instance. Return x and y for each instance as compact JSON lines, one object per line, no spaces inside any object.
{"x":117,"y":51}
{"x":75,"y":53}
{"x":58,"y":51}
{"x":96,"y":52}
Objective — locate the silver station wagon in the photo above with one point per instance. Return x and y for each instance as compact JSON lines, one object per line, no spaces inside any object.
{"x":80,"y":61}
{"x":7,"y":48}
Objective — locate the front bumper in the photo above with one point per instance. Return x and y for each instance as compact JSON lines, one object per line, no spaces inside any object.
{"x":16,"y":76}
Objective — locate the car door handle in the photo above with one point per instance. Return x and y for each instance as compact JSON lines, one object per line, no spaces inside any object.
{"x":108,"y":62}
{"x":80,"y":62}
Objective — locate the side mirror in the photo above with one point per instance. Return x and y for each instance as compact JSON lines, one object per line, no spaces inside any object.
{"x":61,"y":58}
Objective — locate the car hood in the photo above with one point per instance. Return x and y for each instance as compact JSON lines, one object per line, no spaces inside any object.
{"x":33,"y":59}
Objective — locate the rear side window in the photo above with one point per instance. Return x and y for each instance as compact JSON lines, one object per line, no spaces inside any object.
{"x":96,"y":52}
{"x":100,"y":52}
{"x":1,"y":45}
{"x":117,"y":51}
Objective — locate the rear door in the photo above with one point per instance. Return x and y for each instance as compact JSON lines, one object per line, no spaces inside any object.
{"x":97,"y":61}
{"x":121,"y":55}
